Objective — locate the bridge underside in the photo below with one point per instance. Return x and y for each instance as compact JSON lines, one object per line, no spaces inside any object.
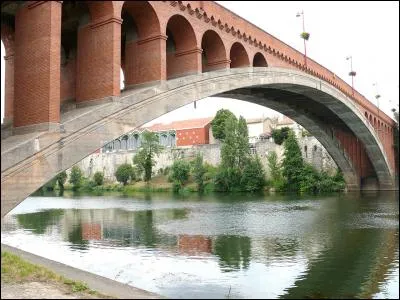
{"x":322,"y":109}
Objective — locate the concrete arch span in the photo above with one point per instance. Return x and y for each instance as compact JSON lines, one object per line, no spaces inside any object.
{"x":86,"y":129}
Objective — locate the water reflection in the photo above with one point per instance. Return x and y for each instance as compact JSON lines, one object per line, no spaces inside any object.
{"x":263,"y":247}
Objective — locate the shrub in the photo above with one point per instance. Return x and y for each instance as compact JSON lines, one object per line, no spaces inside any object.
{"x":227,"y":179}
{"x":198,"y":172}
{"x":76,"y":178}
{"x":61,"y":179}
{"x":98,"y":178}
{"x":123,"y":173}
{"x":49,"y":186}
{"x":180,"y":172}
{"x":253,"y":176}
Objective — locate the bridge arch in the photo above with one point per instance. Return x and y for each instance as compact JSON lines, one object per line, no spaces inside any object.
{"x":238,"y":56}
{"x":183,"y":55}
{"x":8,"y":38}
{"x":259,"y":60}
{"x":325,"y":111}
{"x":141,"y":48}
{"x":214,"y":52}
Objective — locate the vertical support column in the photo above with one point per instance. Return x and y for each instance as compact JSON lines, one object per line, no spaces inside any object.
{"x":37,"y":66}
{"x":99,"y":60}
{"x":184,"y":63}
{"x":9,"y":88}
{"x":145,"y":60}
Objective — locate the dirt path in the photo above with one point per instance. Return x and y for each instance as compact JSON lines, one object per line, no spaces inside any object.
{"x":39,"y":290}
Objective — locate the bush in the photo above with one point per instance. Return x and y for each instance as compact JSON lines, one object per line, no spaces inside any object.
{"x":280,"y":135}
{"x":61,"y":179}
{"x":123,"y":173}
{"x":198,"y":172}
{"x":180,"y":172}
{"x":76,"y":178}
{"x":98,"y":178}
{"x":253,"y":177}
{"x":49,"y":186}
{"x":227,"y":179}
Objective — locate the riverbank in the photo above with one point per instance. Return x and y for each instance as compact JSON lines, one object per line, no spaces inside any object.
{"x":28,"y":276}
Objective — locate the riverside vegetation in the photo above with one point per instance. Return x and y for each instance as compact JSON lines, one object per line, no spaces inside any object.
{"x":239,"y":171}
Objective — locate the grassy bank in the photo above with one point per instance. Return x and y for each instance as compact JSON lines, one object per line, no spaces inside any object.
{"x":16,"y":270}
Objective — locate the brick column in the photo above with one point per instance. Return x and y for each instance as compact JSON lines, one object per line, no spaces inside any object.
{"x":184,"y":63}
{"x":216,"y":65}
{"x":99,"y":60}
{"x":144,"y":60}
{"x":9,"y":88}
{"x":37,"y":66}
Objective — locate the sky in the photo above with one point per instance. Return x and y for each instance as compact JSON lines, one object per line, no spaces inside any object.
{"x":368,"y":32}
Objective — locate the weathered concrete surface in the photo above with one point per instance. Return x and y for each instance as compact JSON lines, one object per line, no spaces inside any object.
{"x":98,"y":283}
{"x":85,"y":130}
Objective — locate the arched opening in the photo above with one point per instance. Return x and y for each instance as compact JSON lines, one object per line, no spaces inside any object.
{"x":366,"y":115}
{"x":7,"y":72}
{"x":374,"y":122}
{"x":238,"y":56}
{"x":370,"y":119}
{"x":75,"y":16}
{"x":305,"y":151}
{"x":259,"y":60}
{"x":141,"y":44}
{"x":122,"y":79}
{"x":214,"y":53}
{"x":183,"y":55}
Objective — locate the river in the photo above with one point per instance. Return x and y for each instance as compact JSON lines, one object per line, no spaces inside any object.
{"x":220,"y":246}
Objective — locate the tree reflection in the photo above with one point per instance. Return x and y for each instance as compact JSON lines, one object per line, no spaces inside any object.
{"x":234,"y":252}
{"x":39,"y":221}
{"x":75,"y":237}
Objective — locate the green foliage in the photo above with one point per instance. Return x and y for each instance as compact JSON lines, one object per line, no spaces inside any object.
{"x":179,"y":174}
{"x":144,"y":159}
{"x":199,"y":171}
{"x":124,"y":173}
{"x":253,"y":177}
{"x":98,"y":178}
{"x":305,"y":133}
{"x":242,"y":143}
{"x":229,"y":146}
{"x":49,"y":186}
{"x":315,"y":182}
{"x":276,"y":179}
{"x":292,"y":163}
{"x":61,"y":179}
{"x":227,"y":179}
{"x":76,"y":178}
{"x":280,"y":135}
{"x":218,"y":123}
{"x":211,"y":171}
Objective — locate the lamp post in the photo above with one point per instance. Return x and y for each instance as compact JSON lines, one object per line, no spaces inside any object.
{"x":305,"y":36}
{"x":351,"y":73}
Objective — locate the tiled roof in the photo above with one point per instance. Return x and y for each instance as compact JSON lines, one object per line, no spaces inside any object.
{"x":286,"y":121}
{"x":179,"y":125}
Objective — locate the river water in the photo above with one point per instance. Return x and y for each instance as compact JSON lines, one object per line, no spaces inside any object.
{"x":220,"y":246}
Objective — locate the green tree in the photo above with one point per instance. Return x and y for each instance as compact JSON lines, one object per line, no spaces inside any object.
{"x":49,"y":186}
{"x":292,"y":163}
{"x":242,"y":143}
{"x":179,"y":173}
{"x":144,"y":159}
{"x":253,"y":177}
{"x":199,"y":171}
{"x":229,"y":155}
{"x":218,"y":123}
{"x":280,"y":135}
{"x":61,"y":179}
{"x":123,"y":173}
{"x":98,"y":178}
{"x":76,"y":178}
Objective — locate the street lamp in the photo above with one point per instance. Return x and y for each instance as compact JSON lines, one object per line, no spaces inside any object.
{"x":351,"y":73}
{"x":377,"y":96}
{"x":305,"y":36}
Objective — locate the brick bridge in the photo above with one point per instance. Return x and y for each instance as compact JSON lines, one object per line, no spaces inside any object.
{"x":63,"y":98}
